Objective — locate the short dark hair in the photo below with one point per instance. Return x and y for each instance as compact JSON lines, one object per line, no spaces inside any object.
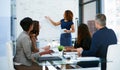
{"x":26,"y":23}
{"x":101,"y":18}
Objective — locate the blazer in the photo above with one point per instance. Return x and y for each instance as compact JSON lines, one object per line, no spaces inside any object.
{"x":100,"y":42}
{"x":23,"y":50}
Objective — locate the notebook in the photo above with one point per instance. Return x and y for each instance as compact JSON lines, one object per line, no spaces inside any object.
{"x":49,"y":58}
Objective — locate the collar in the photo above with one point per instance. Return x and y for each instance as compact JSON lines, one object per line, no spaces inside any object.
{"x":25,"y":32}
{"x":103,"y":28}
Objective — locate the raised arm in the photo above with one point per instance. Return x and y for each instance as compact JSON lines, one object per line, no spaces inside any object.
{"x":53,"y":22}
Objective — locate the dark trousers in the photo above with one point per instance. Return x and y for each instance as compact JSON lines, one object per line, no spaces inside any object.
{"x":86,"y":64}
{"x":34,"y":66}
{"x":103,"y":66}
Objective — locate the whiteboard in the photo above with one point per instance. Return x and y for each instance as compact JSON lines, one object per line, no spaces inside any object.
{"x":38,"y":9}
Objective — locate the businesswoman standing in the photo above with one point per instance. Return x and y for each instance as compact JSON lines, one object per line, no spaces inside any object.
{"x":67,"y":26}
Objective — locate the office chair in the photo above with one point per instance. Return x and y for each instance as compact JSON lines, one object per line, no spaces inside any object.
{"x":10,"y":55}
{"x":113,"y":57}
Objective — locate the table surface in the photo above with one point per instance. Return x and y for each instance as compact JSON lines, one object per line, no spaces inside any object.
{"x":71,"y":61}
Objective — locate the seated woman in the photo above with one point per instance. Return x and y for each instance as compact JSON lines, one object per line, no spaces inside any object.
{"x":33,"y":36}
{"x":83,"y":39}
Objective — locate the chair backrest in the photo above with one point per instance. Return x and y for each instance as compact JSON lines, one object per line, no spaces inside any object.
{"x":10,"y":55}
{"x":113,"y":57}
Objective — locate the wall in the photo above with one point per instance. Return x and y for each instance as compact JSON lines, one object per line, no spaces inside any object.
{"x":89,"y":11}
{"x":112,"y":12}
{"x":4,"y":25}
{"x":4,"y":32}
{"x":38,"y":9}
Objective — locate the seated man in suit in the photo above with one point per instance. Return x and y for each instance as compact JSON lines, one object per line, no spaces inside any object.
{"x":101,"y":39}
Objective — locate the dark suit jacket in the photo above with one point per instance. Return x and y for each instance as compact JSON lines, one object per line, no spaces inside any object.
{"x":100,"y":42}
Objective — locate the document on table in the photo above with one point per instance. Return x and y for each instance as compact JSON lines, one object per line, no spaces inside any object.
{"x":88,"y":58}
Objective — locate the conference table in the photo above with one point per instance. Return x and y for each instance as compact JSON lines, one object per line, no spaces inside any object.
{"x":67,"y":61}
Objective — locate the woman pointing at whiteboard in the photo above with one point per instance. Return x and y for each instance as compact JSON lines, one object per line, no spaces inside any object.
{"x":67,"y":26}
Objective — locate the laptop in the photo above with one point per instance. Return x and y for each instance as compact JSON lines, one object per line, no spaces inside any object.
{"x":49,"y":58}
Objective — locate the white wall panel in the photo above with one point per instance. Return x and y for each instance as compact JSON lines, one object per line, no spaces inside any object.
{"x":38,"y":9}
